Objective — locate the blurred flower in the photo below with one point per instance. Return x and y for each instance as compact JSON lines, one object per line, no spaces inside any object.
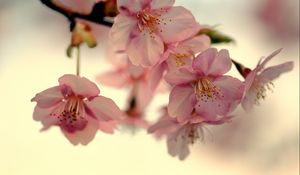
{"x":203,"y":87}
{"x":181,"y":134}
{"x":143,"y":27}
{"x":143,"y":81}
{"x":75,"y":106}
{"x":78,"y":6}
{"x":281,"y":17}
{"x":259,"y":80}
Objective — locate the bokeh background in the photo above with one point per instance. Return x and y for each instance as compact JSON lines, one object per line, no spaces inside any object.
{"x":33,"y":40}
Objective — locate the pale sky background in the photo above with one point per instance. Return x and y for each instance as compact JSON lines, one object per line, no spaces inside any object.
{"x":33,"y":40}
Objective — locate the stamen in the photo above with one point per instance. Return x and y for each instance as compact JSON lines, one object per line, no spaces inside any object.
{"x":206,"y":91}
{"x":149,"y":20}
{"x":180,"y":59}
{"x":71,"y":116}
{"x":261,"y":90}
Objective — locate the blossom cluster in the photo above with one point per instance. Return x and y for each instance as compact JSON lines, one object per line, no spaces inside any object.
{"x":161,"y":48}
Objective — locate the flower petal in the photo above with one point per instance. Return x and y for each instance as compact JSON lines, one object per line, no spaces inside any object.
{"x":180,"y":76}
{"x":249,"y":99}
{"x":130,"y":7}
{"x":181,"y":101}
{"x":264,"y":61}
{"x":177,"y":24}
{"x":155,"y":75}
{"x":145,"y":49}
{"x":143,"y":95}
{"x":157,"y":4}
{"x":115,"y":79}
{"x":103,"y":108}
{"x":84,"y":136}
{"x":178,"y":144}
{"x":120,"y":32}
{"x":212,"y":62}
{"x":43,"y":115}
{"x":274,"y":72}
{"x":79,"y":85}
{"x":194,"y":45}
{"x":48,"y":97}
{"x":107,"y":126}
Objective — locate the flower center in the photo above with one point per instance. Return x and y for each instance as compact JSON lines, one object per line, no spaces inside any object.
{"x":180,"y":59}
{"x":206,"y":91}
{"x":261,"y":90}
{"x":148,"y":21}
{"x":193,"y":133}
{"x":71,"y":115}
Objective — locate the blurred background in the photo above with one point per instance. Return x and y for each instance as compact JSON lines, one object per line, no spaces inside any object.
{"x":33,"y":41}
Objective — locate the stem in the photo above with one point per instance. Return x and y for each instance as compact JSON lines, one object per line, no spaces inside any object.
{"x":78,"y":61}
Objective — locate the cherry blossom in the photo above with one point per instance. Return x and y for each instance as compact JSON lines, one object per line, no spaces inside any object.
{"x":203,"y":87}
{"x":182,"y":134}
{"x":143,"y":27}
{"x":259,"y":80}
{"x":75,"y":106}
{"x":181,"y":53}
{"x":142,"y":81}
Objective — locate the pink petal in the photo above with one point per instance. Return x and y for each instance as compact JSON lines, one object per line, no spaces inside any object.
{"x":181,"y":101}
{"x":135,"y":71}
{"x":130,"y":7}
{"x":180,"y":76}
{"x":120,"y":32}
{"x":262,"y":64}
{"x":157,"y":4}
{"x":195,"y":44}
{"x":143,"y":95}
{"x":108,"y":126}
{"x":79,"y":85}
{"x":84,"y":136}
{"x":274,"y":72}
{"x":250,"y":79}
{"x":167,"y":125}
{"x":231,"y":92}
{"x":103,"y":108}
{"x":177,"y":24}
{"x":178,"y":145}
{"x":212,"y":62}
{"x":145,"y":49}
{"x":115,"y":79}
{"x":48,"y":97}
{"x":249,"y":99}
{"x":155,"y":75}
{"x":43,"y":115}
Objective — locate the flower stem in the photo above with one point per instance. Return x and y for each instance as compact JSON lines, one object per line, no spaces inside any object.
{"x":78,"y":61}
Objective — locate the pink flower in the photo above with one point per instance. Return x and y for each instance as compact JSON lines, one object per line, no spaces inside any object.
{"x":143,"y":28}
{"x":203,"y":87}
{"x":181,"y":53}
{"x":133,"y":117}
{"x":182,"y":134}
{"x":75,"y":106}
{"x":142,"y":81}
{"x":259,"y":80}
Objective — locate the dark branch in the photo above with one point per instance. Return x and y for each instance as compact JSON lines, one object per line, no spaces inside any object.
{"x":97,"y":15}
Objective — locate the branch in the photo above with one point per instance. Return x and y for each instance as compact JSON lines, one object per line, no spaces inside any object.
{"x":97,"y":15}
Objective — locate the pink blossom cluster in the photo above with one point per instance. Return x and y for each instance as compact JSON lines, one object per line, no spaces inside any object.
{"x":161,"y":49}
